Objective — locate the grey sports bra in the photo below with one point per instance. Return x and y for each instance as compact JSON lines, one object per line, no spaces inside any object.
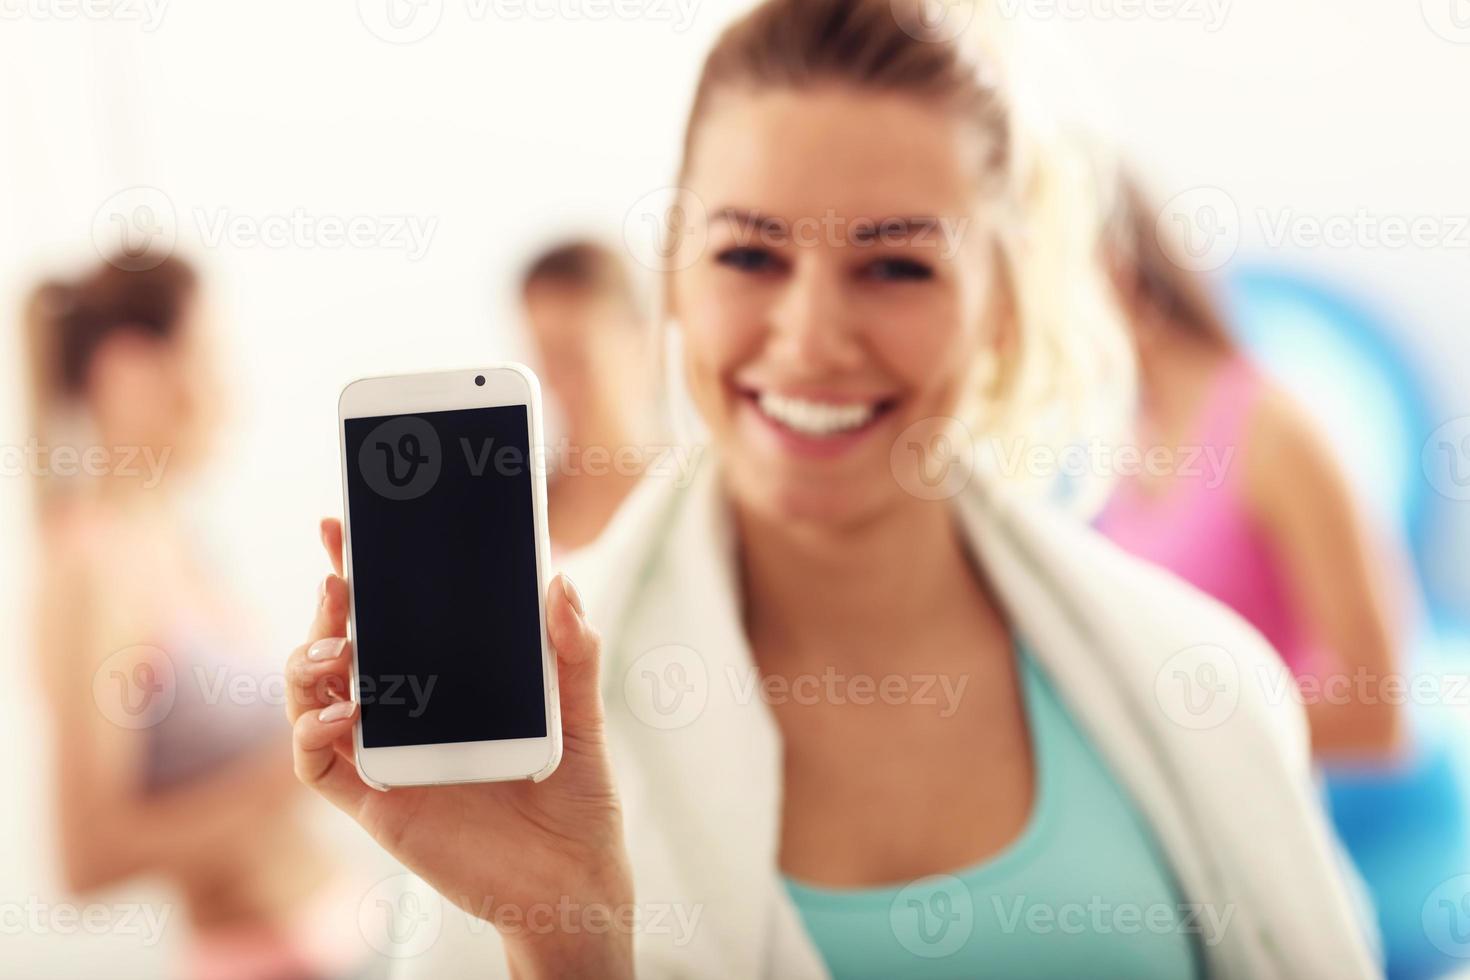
{"x":208,"y":707}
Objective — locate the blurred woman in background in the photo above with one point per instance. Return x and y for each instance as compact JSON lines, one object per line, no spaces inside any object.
{"x":584,"y":316}
{"x":161,"y":768}
{"x":1263,"y":519}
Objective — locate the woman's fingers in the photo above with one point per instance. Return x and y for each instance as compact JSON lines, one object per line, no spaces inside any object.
{"x":317,"y":693}
{"x":324,"y":642}
{"x":331,"y":610}
{"x":317,"y":671}
{"x":317,"y":675}
{"x":578,"y":650}
{"x":331,"y":532}
{"x":322,"y":752}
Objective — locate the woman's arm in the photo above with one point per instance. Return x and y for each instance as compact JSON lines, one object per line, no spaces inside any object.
{"x":1341,"y":579}
{"x":110,"y":829}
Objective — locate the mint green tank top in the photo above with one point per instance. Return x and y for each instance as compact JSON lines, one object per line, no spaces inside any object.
{"x":1085,"y":891}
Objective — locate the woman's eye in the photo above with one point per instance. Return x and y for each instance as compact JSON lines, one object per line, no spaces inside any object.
{"x":747,"y":259}
{"x":891,"y":270}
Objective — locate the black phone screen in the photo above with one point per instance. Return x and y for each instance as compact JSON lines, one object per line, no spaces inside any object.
{"x":444,"y":577}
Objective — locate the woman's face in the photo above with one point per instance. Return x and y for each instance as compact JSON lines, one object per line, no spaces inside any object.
{"x":578,"y":334}
{"x":834,"y":285}
{"x":160,"y":394}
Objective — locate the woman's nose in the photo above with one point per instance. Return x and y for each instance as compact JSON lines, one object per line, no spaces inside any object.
{"x":814,"y":322}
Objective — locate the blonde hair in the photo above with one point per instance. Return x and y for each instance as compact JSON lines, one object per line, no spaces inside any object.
{"x":1066,"y":371}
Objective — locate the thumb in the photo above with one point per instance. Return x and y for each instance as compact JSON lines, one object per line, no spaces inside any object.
{"x":579,"y":659}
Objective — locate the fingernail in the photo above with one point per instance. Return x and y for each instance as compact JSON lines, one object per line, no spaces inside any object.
{"x":327,"y":649}
{"x":321,"y":593}
{"x":338,"y":711}
{"x":573,"y":596}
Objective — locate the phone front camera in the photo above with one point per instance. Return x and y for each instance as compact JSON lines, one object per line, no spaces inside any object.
{"x":480,"y":380}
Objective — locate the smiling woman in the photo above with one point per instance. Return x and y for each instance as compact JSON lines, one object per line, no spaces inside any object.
{"x":884,"y":247}
{"x":903,"y":171}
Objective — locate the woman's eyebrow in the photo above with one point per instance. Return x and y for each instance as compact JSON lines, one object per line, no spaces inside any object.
{"x":751,"y":220}
{"x":858,"y":231}
{"x":867,"y":230}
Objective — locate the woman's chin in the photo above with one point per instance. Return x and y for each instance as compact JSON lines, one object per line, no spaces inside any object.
{"x":836,"y":479}
{"x":794,"y":500}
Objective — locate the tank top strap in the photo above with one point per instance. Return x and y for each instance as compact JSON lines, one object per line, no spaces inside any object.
{"x":1233,"y":393}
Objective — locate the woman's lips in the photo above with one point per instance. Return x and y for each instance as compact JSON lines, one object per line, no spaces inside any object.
{"x":813,"y":426}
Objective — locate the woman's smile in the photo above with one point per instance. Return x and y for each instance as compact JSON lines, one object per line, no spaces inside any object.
{"x":811,"y":423}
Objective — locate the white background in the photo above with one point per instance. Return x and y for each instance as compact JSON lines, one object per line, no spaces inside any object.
{"x":505,"y":130}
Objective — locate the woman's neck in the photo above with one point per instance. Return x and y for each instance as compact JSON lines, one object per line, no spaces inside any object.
{"x":127,"y":499}
{"x":598,"y":417}
{"x":599,"y":463}
{"x":855,"y":589}
{"x":1175,"y":371}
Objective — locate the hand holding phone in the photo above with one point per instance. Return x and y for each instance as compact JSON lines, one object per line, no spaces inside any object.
{"x":489,"y":847}
{"x":484,"y":846}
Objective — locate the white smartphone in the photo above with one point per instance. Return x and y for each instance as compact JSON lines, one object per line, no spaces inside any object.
{"x":446,"y":565}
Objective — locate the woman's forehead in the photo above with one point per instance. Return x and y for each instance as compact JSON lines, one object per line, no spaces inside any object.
{"x":797,"y":154}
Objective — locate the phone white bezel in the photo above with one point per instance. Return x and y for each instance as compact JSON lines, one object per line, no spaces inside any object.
{"x":456,"y":762}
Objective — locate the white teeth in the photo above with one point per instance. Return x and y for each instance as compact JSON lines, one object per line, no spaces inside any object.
{"x":815,"y":418}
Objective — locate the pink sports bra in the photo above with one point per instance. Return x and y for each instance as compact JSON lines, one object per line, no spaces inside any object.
{"x":1199,"y":525}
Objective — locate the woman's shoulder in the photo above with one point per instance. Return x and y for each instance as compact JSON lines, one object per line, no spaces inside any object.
{"x":94,"y":570}
{"x":1096,"y":572}
{"x":610,"y":560}
{"x":1286,"y":452}
{"x":71,"y":536}
{"x":1184,"y":655}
